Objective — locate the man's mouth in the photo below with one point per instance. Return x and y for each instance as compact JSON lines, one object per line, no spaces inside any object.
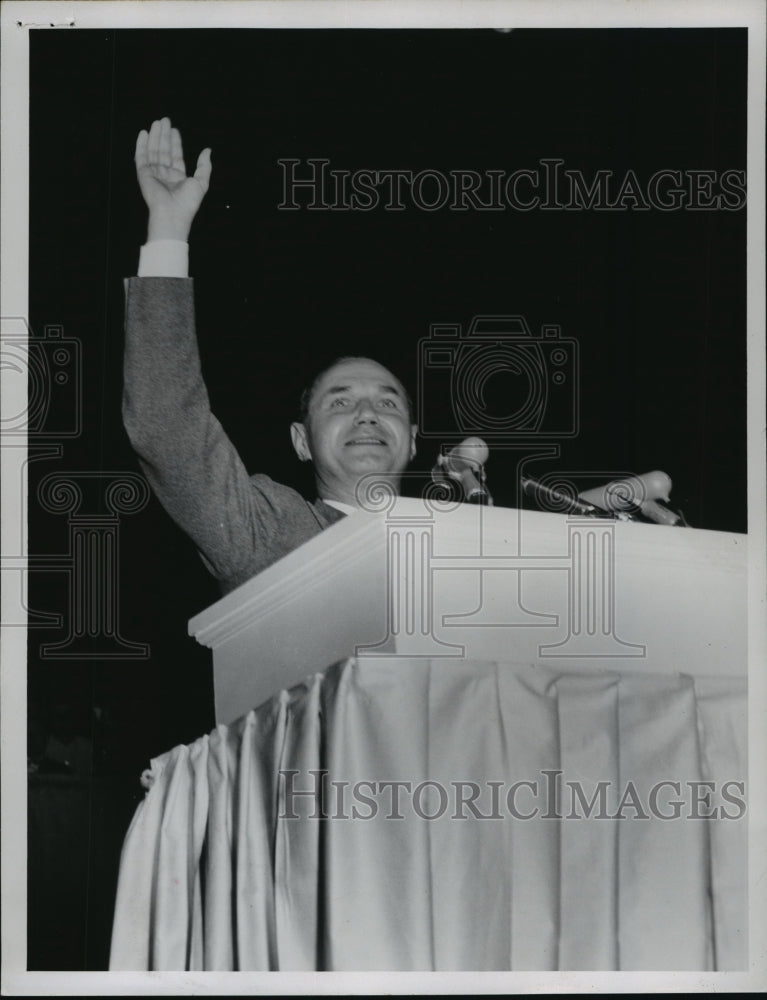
{"x":367,"y":440}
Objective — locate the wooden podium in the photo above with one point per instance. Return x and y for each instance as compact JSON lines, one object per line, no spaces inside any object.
{"x":425,"y":579}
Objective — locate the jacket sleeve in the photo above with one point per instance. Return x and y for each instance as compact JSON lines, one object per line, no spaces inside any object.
{"x":191,"y":464}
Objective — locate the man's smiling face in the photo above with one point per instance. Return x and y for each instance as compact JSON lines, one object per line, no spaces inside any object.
{"x":358,"y":422}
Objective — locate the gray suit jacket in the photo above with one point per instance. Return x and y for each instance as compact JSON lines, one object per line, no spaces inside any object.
{"x":239,"y":523}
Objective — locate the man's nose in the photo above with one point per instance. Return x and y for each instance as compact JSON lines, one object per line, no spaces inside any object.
{"x":366,"y":412}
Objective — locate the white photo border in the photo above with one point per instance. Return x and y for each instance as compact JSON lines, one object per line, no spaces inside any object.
{"x":21,"y":18}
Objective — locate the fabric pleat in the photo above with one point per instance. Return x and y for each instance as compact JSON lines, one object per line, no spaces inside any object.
{"x":588,"y":738}
{"x":438,"y":814}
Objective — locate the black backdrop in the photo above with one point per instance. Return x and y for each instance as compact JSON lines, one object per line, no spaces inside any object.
{"x":655,"y":300}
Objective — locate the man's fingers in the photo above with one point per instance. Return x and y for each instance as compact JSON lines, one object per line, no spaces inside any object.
{"x":204,"y":167}
{"x":164,"y":149}
{"x":153,"y":144}
{"x":159,"y":151}
{"x":141,"y":149}
{"x":176,"y":151}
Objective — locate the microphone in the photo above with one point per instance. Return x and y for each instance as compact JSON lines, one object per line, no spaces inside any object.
{"x":558,"y":499}
{"x":659,"y":513}
{"x":636,"y":495}
{"x":464,"y":464}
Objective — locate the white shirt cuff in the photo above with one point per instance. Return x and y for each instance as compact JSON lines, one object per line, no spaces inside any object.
{"x":164,"y":259}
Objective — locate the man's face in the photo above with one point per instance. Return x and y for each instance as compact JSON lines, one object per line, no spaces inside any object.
{"x":358,"y":423}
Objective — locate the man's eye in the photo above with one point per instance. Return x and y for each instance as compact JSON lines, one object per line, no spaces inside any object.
{"x":391,"y":403}
{"x":339,"y":402}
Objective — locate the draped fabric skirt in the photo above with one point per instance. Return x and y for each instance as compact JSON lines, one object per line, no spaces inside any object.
{"x":415,"y":814}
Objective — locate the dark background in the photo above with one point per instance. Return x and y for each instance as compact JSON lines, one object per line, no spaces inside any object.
{"x":656,"y":302}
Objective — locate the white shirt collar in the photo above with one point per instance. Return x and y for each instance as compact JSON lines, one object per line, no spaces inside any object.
{"x":346,"y":508}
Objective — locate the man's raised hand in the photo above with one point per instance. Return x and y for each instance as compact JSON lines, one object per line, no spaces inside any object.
{"x":171,"y":196}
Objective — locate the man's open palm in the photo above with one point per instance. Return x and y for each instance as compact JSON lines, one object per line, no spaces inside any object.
{"x":171,"y":196}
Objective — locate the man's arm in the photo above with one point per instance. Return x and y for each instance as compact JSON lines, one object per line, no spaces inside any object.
{"x":239,"y":524}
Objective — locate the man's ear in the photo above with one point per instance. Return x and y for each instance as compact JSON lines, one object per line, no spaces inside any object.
{"x":300,"y":440}
{"x":413,"y":432}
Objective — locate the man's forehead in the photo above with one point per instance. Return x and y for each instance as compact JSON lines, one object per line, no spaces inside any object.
{"x":346,"y":374}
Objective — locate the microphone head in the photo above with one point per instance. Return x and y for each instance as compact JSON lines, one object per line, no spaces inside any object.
{"x":472,"y":449}
{"x":622,"y":494}
{"x":657,"y":485}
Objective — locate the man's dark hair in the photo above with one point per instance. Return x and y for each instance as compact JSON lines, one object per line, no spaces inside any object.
{"x":306,"y":396}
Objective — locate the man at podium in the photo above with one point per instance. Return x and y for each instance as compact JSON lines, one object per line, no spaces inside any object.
{"x":356,"y":415}
{"x":481,"y":684}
